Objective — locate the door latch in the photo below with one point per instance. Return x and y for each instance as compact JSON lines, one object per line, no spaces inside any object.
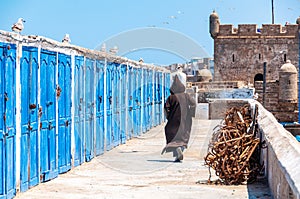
{"x":58,"y":91}
{"x":32,"y":106}
{"x":40,"y":112}
{"x":29,"y":127}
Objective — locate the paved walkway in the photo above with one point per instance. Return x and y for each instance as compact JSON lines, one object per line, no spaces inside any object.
{"x":137,"y":170}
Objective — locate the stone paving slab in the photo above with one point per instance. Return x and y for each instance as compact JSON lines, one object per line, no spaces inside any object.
{"x":138,"y":170}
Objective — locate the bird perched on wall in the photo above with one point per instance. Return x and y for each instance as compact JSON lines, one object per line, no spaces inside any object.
{"x":66,"y":39}
{"x":19,"y":26}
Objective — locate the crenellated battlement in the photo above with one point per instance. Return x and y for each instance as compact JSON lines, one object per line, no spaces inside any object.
{"x":253,"y":30}
{"x":247,"y":29}
{"x":226,"y":29}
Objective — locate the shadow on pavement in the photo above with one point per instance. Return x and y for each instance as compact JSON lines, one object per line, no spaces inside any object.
{"x":259,"y":189}
{"x":160,"y":160}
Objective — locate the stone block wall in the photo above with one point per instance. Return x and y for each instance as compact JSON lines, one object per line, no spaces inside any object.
{"x":218,"y":107}
{"x":271,"y":94}
{"x":283,"y":111}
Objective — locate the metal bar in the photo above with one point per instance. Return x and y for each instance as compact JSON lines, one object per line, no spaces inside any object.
{"x":272,"y":11}
{"x":264,"y":82}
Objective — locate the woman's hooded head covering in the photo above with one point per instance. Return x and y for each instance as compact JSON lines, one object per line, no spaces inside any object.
{"x":177,"y":86}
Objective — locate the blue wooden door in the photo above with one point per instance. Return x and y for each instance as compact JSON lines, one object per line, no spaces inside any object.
{"x":29,"y":119}
{"x":156,"y":98}
{"x":166,"y":88}
{"x":7,"y":122}
{"x":138,"y":97}
{"x":135,"y":115}
{"x":130,"y":131}
{"x":167,"y":85}
{"x":47,"y":111}
{"x":116,"y":104}
{"x":63,"y":94}
{"x":144,"y":100}
{"x":137,"y":101}
{"x":79,"y":110}
{"x":109,"y":78}
{"x":150,"y":99}
{"x":89,"y":109}
{"x":99,"y":107}
{"x":159,"y":93}
{"x":123,"y":103}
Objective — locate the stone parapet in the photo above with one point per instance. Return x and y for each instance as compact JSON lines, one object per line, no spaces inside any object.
{"x":282,"y":156}
{"x":253,"y":30}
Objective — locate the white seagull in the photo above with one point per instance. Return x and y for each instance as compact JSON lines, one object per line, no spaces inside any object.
{"x":18,"y":27}
{"x":66,"y":39}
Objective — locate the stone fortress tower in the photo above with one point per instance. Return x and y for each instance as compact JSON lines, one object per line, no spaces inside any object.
{"x":251,"y":55}
{"x":240,"y":53}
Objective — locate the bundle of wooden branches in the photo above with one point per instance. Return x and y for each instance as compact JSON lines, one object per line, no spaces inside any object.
{"x":231,"y":149}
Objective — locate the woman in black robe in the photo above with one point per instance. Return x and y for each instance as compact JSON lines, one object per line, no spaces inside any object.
{"x":179,"y":108}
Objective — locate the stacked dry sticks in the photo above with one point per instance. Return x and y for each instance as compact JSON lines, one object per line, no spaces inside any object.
{"x":231,"y":151}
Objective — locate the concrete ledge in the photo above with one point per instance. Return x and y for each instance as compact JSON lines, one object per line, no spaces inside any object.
{"x":282,"y":156}
{"x":218,"y":107}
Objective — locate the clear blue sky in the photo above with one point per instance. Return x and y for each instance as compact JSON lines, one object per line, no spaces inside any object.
{"x":91,"y":22}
